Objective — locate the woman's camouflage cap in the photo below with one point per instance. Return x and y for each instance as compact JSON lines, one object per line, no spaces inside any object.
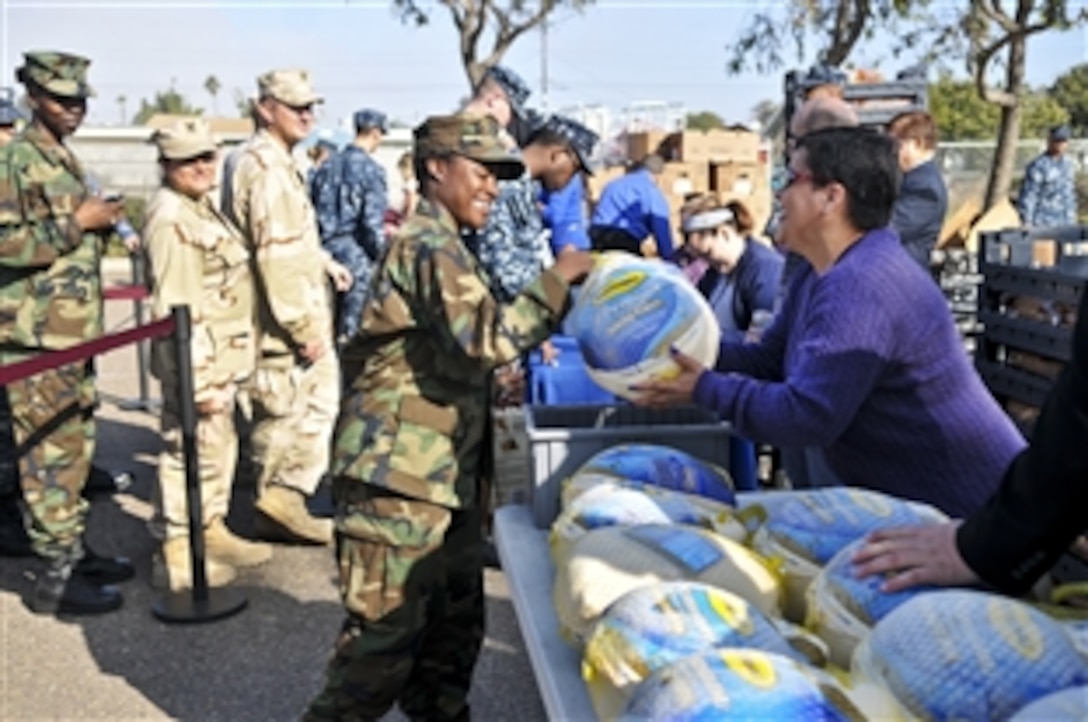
{"x":61,"y":74}
{"x":476,"y":137}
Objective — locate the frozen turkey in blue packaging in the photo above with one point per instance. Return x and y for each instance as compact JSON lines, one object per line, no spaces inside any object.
{"x":661,"y":466}
{"x":740,"y":684}
{"x":967,"y":655}
{"x":629,"y":314}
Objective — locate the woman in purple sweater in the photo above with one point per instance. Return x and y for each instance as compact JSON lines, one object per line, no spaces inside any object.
{"x":863,"y":359}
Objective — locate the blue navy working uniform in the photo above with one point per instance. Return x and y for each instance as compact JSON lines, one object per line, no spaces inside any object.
{"x":350,"y":195}
{"x":1047,"y":195}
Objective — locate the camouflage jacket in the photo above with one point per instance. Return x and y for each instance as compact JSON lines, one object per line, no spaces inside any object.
{"x":432,"y":332}
{"x":350,"y":195}
{"x":273,"y":210}
{"x":50,"y":284}
{"x":511,"y":247}
{"x":1047,"y":197}
{"x":197,"y":257}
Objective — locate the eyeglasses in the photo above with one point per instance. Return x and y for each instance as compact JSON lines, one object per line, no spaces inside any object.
{"x":202,"y":158}
{"x":299,"y":110}
{"x":793,"y":177}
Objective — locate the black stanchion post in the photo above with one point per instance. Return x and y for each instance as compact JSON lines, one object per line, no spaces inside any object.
{"x":203,"y":604}
{"x":139,"y":280}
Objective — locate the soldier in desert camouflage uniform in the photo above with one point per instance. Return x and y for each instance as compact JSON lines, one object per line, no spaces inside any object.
{"x":198,"y":258}
{"x":408,"y":444}
{"x":296,"y":389}
{"x":51,"y":236}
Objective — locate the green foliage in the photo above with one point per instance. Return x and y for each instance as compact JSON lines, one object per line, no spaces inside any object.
{"x":1070,"y":91}
{"x":704,"y":120}
{"x":961,"y":114}
{"x":168,"y":101}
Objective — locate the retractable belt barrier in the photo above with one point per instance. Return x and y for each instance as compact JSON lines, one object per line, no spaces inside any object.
{"x":201,"y":604}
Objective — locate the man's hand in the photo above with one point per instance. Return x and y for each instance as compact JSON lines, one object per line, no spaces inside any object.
{"x":132,"y":242}
{"x":96,"y":214}
{"x":573,"y":265}
{"x":914,"y":556}
{"x":549,"y":354}
{"x":340,"y":275}
{"x":313,"y":350}
{"x":675,"y":391}
{"x":207,"y":407}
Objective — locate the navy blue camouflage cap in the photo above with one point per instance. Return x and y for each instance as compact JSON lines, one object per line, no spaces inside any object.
{"x":9,"y":114}
{"x":823,"y":74}
{"x":582,"y":140}
{"x":1060,"y":133}
{"x":370,"y":118}
{"x":517,"y":92}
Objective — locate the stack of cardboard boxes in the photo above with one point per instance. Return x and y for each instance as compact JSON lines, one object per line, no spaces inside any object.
{"x":731,"y":163}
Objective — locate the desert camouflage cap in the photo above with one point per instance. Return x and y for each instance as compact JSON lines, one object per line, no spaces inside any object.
{"x":582,"y":140}
{"x":61,"y":74}
{"x":187,"y":138}
{"x":290,"y":87}
{"x":517,"y":92}
{"x":473,"y":136}
{"x":9,"y":114}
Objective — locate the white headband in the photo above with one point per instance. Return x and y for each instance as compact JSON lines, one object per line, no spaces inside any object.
{"x":708,"y":220}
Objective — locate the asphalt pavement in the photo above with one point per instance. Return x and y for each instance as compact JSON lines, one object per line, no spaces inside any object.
{"x":262,"y":665}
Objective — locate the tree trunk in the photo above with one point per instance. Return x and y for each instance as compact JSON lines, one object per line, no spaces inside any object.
{"x":1009,"y":131}
{"x":474,"y":70}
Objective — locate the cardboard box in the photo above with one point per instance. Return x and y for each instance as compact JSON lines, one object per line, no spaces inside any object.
{"x":676,"y":180}
{"x":600,"y":178}
{"x":712,"y":146}
{"x":747,"y":183}
{"x":640,"y":145}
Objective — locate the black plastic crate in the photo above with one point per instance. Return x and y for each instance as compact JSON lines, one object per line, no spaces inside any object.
{"x":1053,"y":342}
{"x":1014,"y":247}
{"x":1006,"y":382}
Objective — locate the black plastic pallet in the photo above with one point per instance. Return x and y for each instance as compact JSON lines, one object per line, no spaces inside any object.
{"x":1012,"y":383}
{"x":1054,"y":342}
{"x":1046,"y":284}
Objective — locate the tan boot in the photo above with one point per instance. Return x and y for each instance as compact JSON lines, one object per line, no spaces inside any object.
{"x":224,"y":546}
{"x":170,"y":569}
{"x":282,"y":516}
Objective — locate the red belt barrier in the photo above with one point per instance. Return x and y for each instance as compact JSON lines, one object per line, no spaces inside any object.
{"x":125,"y":293}
{"x":53,"y":359}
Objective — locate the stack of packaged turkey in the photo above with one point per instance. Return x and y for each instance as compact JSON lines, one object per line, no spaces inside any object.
{"x":684,"y":597}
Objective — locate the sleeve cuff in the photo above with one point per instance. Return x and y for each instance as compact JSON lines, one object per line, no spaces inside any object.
{"x":70,"y":232}
{"x":554,"y":290}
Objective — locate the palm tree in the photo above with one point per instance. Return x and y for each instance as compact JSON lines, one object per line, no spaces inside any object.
{"x":213,"y":86}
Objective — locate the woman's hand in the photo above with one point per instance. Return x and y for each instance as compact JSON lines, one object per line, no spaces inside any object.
{"x":675,"y":391}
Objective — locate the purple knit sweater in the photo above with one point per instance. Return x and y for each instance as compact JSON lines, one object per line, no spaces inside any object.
{"x":865,"y":362}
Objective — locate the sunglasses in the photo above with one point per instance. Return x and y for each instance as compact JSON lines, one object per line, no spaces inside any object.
{"x":299,"y":110}
{"x":202,"y":158}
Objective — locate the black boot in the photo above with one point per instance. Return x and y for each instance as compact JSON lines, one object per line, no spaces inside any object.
{"x":59,"y":591}
{"x":14,"y":541}
{"x":100,"y":570}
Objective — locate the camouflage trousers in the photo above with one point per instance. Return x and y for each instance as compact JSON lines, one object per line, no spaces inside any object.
{"x":411,"y":578}
{"x":294,"y":411}
{"x":217,"y":452}
{"x":52,"y":417}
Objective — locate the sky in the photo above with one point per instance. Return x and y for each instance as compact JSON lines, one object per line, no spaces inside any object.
{"x":361,"y":55}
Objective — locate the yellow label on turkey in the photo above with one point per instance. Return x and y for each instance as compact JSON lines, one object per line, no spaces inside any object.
{"x":1016,"y":627}
{"x":736,"y":617}
{"x":755,"y":669}
{"x":624,"y":284}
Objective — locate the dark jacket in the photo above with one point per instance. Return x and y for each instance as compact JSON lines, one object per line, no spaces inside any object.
{"x":919,"y":211}
{"x":756,"y":280}
{"x":1042,"y":504}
